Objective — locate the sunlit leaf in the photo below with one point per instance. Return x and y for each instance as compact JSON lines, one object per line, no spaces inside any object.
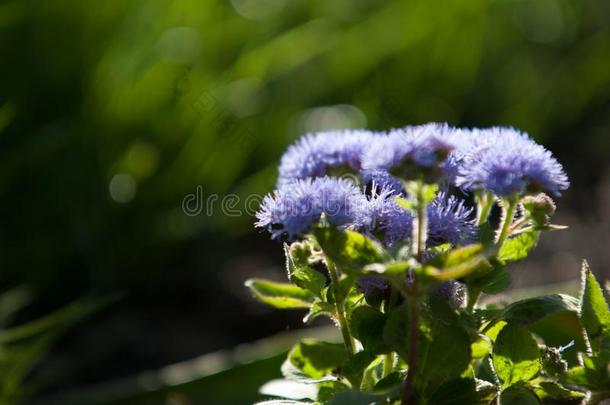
{"x":594,"y":312}
{"x":315,"y":359}
{"x":516,"y":357}
{"x":349,"y":250}
{"x":518,"y":247}
{"x":518,"y":395}
{"x":280,"y":295}
{"x":530,"y":310}
{"x":303,"y":275}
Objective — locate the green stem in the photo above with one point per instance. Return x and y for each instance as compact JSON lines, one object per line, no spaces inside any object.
{"x":420,"y":230}
{"x":413,"y":345}
{"x":473,"y":297}
{"x":340,"y":308}
{"x":508,"y":212}
{"x":485,"y":203}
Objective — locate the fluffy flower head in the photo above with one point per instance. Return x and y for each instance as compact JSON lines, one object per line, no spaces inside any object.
{"x":507,"y":162}
{"x":423,"y":146}
{"x":314,"y":155}
{"x":449,"y":221}
{"x":293,"y":208}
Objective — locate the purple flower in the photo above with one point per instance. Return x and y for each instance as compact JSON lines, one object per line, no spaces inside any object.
{"x":449,"y":221}
{"x":381,"y":216}
{"x":424,"y":146}
{"x":453,"y":291}
{"x":369,"y":284}
{"x":382,"y":180}
{"x":507,"y":162}
{"x":314,"y":155}
{"x":293,"y":208}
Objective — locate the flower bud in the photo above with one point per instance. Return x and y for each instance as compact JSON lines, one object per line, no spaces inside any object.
{"x":540,"y":208}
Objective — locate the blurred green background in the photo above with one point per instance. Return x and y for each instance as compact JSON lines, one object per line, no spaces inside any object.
{"x":120,"y":119}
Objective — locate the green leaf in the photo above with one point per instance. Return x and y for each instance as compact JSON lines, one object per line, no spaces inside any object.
{"x":441,"y":332}
{"x":319,"y":308}
{"x":593,"y":375}
{"x":354,"y":398}
{"x":457,"y":256}
{"x":516,"y":356}
{"x":356,"y":365}
{"x":518,"y":395}
{"x":462,"y":391}
{"x":497,"y":282}
{"x":280,"y":295}
{"x":283,"y":402}
{"x":531,"y":310}
{"x":315,"y":359}
{"x":594,"y":312}
{"x":461,"y":262}
{"x":289,"y":389}
{"x":349,"y":250}
{"x":389,"y":382}
{"x":366,"y":325}
{"x":484,"y":345}
{"x":518,"y":247}
{"x":552,"y":391}
{"x":328,"y":390}
{"x":493,"y":276}
{"x":302,"y":275}
{"x":396,"y":330}
{"x":444,"y":345}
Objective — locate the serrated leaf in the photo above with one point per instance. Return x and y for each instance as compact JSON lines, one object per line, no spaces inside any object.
{"x":280,"y":295}
{"x":302,"y":275}
{"x":518,"y":395}
{"x":516,"y":357}
{"x":518,"y":247}
{"x":531,"y":310}
{"x":594,"y":312}
{"x":315,"y":358}
{"x":366,"y":325}
{"x":349,"y":250}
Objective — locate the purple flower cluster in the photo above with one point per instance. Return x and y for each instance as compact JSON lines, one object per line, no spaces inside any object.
{"x":502,"y":161}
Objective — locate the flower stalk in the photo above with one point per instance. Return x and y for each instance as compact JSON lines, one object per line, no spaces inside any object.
{"x":340,"y":308}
